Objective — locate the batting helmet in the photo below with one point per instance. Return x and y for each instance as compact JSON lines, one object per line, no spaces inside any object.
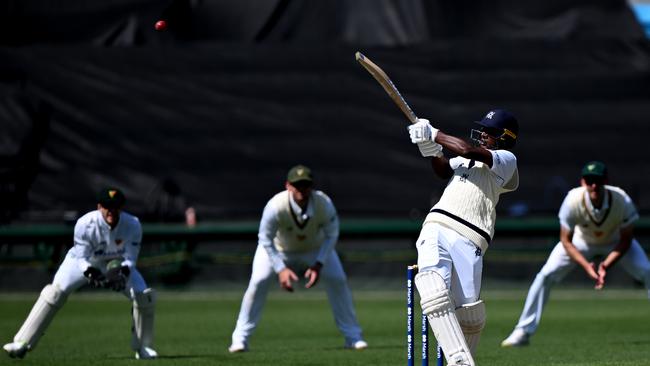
{"x":502,"y":125}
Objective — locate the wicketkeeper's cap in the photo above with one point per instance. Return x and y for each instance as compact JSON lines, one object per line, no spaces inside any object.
{"x":111,"y":197}
{"x":299,"y":173}
{"x":595,"y":169}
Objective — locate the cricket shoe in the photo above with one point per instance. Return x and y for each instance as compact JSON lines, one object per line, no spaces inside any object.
{"x":146,"y":353}
{"x":238,"y":347}
{"x":517,"y":338}
{"x":16,"y":349}
{"x":358,"y":345}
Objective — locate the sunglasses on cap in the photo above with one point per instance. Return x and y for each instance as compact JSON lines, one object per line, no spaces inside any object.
{"x":593,"y":179}
{"x":302,"y":184}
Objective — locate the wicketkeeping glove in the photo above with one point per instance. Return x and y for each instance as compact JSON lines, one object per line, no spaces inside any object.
{"x":95,"y":277}
{"x":116,"y":278}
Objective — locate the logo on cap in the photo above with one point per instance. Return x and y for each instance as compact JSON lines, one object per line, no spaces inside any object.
{"x":299,"y":173}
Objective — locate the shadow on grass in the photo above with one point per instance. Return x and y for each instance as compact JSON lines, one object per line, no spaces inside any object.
{"x":369,"y":349}
{"x":215,"y":357}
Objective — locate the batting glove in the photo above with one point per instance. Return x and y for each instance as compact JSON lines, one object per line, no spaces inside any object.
{"x":430,"y":149}
{"x":422,"y":131}
{"x":95,"y":277}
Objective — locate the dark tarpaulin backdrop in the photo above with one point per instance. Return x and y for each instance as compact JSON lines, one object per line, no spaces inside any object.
{"x":234,"y":93}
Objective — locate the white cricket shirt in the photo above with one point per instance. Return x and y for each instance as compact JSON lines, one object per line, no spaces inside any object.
{"x":597,"y":226}
{"x":468,"y":204}
{"x":95,"y":243}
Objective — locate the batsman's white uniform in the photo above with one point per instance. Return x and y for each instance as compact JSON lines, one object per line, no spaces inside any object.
{"x":454,"y":236}
{"x":595,"y":232}
{"x":95,"y":244}
{"x":289,"y":237}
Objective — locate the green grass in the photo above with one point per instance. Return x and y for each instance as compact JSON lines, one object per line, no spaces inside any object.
{"x":580,"y":327}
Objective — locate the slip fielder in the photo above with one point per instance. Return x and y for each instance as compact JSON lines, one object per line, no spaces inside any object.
{"x":298,"y":232}
{"x":596,"y":219}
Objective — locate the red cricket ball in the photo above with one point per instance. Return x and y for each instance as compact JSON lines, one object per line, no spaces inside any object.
{"x":161,"y":25}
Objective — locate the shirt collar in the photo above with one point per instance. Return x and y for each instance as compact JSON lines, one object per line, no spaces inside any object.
{"x":604,"y":206}
{"x":301,"y":214}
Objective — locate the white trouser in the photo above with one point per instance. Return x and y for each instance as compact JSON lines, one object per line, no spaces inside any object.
{"x":455,"y":258}
{"x":332,"y":277}
{"x":69,"y":278}
{"x":559,"y":264}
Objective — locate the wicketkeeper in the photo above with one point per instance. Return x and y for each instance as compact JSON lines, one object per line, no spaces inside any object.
{"x":106,"y":235}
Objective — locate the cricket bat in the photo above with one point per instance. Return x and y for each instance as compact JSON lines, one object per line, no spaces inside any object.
{"x":388,"y":86}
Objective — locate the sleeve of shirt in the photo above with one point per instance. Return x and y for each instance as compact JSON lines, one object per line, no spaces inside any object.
{"x":82,"y":248}
{"x":331,"y":231}
{"x":504,"y":164}
{"x":567,"y":219}
{"x":456,"y":162}
{"x":631,"y":214}
{"x":132,"y":250}
{"x":268,"y":228}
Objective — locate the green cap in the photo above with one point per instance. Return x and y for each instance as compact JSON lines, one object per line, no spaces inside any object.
{"x":594,"y":168}
{"x":299,"y":173}
{"x":111,"y":198}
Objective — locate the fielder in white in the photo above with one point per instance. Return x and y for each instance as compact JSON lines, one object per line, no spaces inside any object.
{"x":596,"y":219}
{"x":298,"y":232}
{"x":457,"y":231}
{"x":100,"y":236}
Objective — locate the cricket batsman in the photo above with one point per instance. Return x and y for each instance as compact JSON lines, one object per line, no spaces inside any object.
{"x":103,"y":236}
{"x":460,"y":226}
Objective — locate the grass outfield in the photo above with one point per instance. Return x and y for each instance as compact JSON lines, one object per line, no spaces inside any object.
{"x":580,"y":327}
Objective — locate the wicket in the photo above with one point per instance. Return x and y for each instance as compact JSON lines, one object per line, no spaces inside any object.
{"x":410,"y":325}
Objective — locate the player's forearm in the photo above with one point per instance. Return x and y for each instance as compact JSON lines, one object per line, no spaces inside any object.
{"x":616,"y":254}
{"x":575,"y":254}
{"x":452,"y":143}
{"x":326,"y":248}
{"x":274,"y":256}
{"x":441,"y":167}
{"x":463,"y":148}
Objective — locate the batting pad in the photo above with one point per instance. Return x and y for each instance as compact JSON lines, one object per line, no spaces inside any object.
{"x":438,"y":307}
{"x":42,"y":313}
{"x":144,"y":304}
{"x":472,"y":320}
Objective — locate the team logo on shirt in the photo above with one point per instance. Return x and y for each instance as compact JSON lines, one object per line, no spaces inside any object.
{"x":598,"y":234}
{"x":118,"y":241}
{"x":301,"y":237}
{"x":463,"y":177}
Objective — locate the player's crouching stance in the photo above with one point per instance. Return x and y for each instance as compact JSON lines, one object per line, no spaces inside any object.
{"x":106,"y":247}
